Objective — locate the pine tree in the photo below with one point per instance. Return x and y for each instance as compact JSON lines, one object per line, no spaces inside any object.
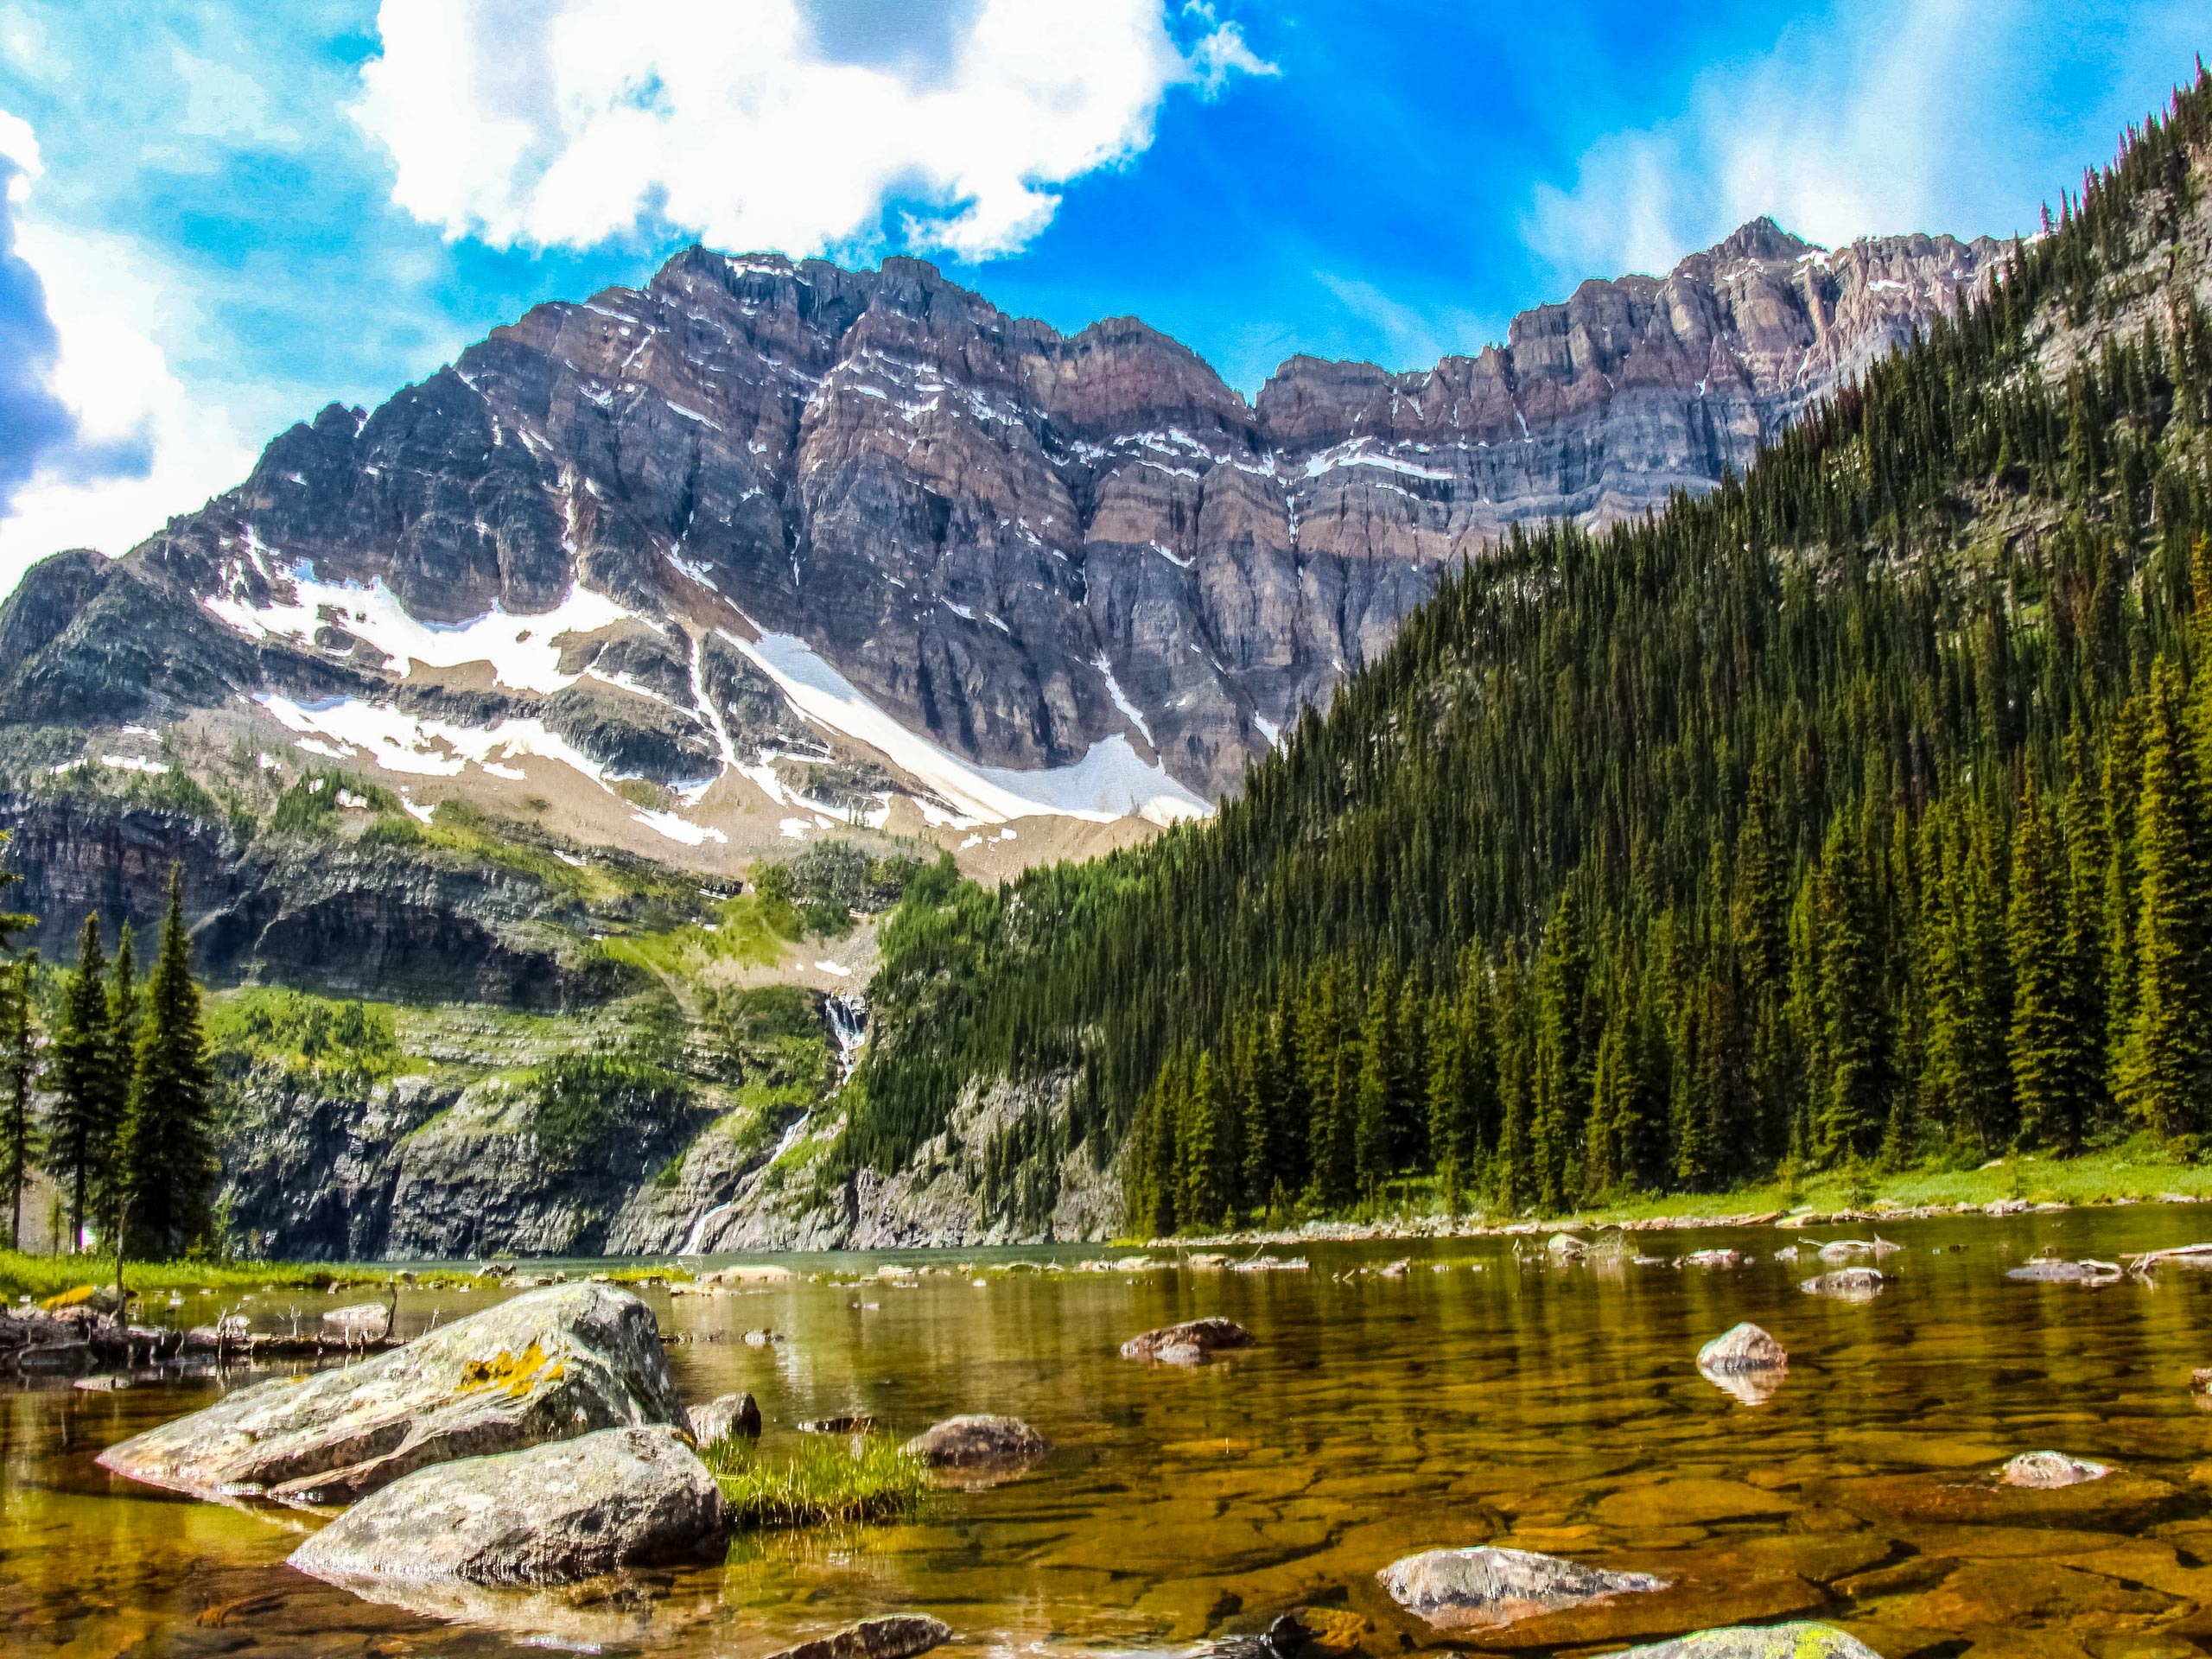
{"x":2163,"y":1071}
{"x":2049,"y":1057}
{"x":1856,"y":1106}
{"x":18,"y":1074}
{"x":80,"y":1138}
{"x":169,"y":1164}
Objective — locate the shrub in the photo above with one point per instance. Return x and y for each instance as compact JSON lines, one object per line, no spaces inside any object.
{"x":826,"y":1482}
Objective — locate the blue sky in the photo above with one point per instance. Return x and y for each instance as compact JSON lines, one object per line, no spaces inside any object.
{"x":220,"y":217}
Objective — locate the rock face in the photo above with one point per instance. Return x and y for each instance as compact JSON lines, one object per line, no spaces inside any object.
{"x":1026,"y":548}
{"x":551,"y":1513}
{"x":547,"y":1365}
{"x":1766,"y":1642}
{"x":728,"y":1415}
{"x":980,"y":1441}
{"x":1188,"y":1344}
{"x":1474,"y":1589}
{"x":2045,"y":1471}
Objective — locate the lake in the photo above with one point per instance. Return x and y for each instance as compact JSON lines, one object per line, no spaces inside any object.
{"x":1475,"y":1398}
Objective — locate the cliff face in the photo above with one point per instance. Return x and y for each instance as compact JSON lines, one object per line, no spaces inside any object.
{"x":784,"y":489}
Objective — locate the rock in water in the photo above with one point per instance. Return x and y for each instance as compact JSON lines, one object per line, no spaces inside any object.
{"x":1766,"y":1642}
{"x":1848,"y":1284}
{"x":979,"y":1442}
{"x":2044,"y":1271}
{"x":549,"y":1514}
{"x":545,"y":1366}
{"x":1189,"y":1343}
{"x":1742,"y":1349}
{"x":1473,"y":1589}
{"x":901,"y":1637}
{"x":728,"y":1415}
{"x":2045,"y":1471}
{"x":364,"y":1322}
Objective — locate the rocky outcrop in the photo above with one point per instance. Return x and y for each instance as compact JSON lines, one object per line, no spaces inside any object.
{"x":1017,"y":543}
{"x":980,"y":1441}
{"x":635,"y":1497}
{"x":1477,"y":1589}
{"x":724,"y":1416}
{"x":1191,"y":1342}
{"x":545,"y":1366}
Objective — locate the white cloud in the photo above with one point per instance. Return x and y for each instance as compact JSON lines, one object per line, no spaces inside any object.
{"x":110,"y":304}
{"x":1838,"y":132}
{"x":567,"y":122}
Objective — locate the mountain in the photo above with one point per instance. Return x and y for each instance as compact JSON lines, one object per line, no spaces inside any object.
{"x":1858,"y":811}
{"x":763,"y":549}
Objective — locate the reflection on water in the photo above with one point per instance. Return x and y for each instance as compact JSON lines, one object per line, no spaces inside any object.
{"x":1550,"y":1407}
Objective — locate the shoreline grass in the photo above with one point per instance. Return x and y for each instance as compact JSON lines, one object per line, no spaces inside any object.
{"x":824,"y":1483}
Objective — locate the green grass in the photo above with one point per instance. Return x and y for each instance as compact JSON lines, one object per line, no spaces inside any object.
{"x":743,"y":932}
{"x":824,"y":1483}
{"x":41,"y":1276}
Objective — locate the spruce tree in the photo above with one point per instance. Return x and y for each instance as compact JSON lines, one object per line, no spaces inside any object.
{"x":2048,"y":1054}
{"x":2163,"y":1072}
{"x":81,"y":1138}
{"x":170,"y":1164}
{"x":1856,"y":1106}
{"x":18,"y":1074}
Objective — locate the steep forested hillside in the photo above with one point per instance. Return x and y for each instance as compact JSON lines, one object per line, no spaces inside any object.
{"x":1860,"y":809}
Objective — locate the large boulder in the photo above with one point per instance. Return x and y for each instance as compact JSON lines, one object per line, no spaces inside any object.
{"x":552,"y":1514}
{"x":1745,"y":1362}
{"x":549,"y":1365}
{"x":1803,"y":1640}
{"x":1472,"y":1589}
{"x":979,"y":1442}
{"x":1189,"y":1343}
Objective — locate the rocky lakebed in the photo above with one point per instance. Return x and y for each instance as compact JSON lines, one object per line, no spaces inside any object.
{"x":1945,"y":1436}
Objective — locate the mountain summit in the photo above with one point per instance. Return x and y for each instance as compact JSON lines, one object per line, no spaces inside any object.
{"x":784,"y":545}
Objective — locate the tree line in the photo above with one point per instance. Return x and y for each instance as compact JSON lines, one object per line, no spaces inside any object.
{"x":1859,"y":810}
{"x":128,"y":1130}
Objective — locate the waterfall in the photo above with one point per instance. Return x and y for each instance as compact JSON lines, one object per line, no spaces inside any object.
{"x":847,"y":1015}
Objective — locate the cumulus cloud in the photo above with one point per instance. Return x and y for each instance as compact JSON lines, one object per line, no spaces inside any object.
{"x":1837,"y":133}
{"x":117,"y":445}
{"x":792,"y":124}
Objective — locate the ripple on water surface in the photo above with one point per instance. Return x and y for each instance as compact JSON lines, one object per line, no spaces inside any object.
{"x":1546,"y":1404}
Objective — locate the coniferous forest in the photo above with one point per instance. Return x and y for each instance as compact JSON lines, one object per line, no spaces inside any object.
{"x":1858,"y":811}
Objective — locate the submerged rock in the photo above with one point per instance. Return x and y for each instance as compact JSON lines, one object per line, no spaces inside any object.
{"x":546,"y":1366}
{"x":550,"y":1514}
{"x":2045,"y":1471}
{"x":1848,"y":1284}
{"x":1470,"y":1589}
{"x":900,"y":1636}
{"x":979,"y":1441}
{"x":2045,"y":1271}
{"x":1801,"y":1641}
{"x":1747,"y":1362}
{"x":1566,"y":1246}
{"x":365,"y":1323}
{"x":725,"y":1415}
{"x":1189,"y":1343}
{"x":850,"y":1422}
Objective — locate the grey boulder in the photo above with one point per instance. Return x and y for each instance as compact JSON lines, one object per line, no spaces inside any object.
{"x":1188,"y":1344}
{"x":728,"y":1415}
{"x":1848,"y":1284}
{"x":546,"y":1366}
{"x":900,"y":1635}
{"x":550,"y":1514}
{"x":1801,"y":1641}
{"x":1745,"y":1362}
{"x":979,"y":1441}
{"x":1472,"y":1589}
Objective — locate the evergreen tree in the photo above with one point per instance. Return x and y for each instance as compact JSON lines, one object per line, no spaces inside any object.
{"x":2162,"y":1074}
{"x":18,"y":1074}
{"x":168,"y":1162}
{"x":1855,"y":1108}
{"x":87,"y":1114}
{"x":2049,"y":1053}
